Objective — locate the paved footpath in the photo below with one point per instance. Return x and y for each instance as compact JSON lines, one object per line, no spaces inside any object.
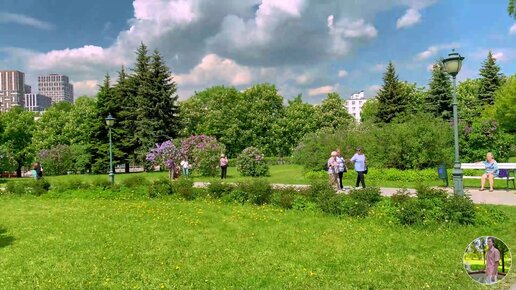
{"x":499,"y":197}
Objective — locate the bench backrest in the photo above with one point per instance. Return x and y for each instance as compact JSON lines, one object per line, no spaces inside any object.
{"x":511,"y":166}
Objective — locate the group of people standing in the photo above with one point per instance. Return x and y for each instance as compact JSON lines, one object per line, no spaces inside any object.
{"x":337,"y":167}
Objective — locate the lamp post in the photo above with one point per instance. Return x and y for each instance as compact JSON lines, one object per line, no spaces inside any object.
{"x":110,"y":121}
{"x":452,"y":65}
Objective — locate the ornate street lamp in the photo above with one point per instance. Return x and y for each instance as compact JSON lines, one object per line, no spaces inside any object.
{"x":110,"y":121}
{"x":452,"y":65}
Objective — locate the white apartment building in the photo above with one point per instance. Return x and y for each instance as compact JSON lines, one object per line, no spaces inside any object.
{"x":57,"y":87}
{"x":354,"y":104}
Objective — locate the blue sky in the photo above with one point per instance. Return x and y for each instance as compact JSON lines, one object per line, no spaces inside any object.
{"x":302,"y":46}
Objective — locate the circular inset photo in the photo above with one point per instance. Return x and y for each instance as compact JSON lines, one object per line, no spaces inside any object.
{"x":487,"y":260}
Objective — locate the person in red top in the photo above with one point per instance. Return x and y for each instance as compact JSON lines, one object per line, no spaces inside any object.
{"x":492,"y":261}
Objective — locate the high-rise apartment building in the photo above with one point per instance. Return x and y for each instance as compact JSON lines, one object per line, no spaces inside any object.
{"x":57,"y":87}
{"x":354,"y":105}
{"x":12,"y":86}
{"x":37,"y":102}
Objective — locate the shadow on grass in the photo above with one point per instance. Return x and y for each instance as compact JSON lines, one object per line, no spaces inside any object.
{"x":5,"y":240}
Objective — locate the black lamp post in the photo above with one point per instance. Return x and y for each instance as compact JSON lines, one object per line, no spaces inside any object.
{"x":452,"y":65}
{"x":110,"y":121}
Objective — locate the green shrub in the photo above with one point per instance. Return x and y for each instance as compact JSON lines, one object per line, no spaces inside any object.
{"x":319,"y":188}
{"x":489,"y":215}
{"x":134,"y":181}
{"x":33,"y":187}
{"x":424,"y":192}
{"x":184,"y":188}
{"x":160,"y":187}
{"x":218,"y":189}
{"x":101,"y":183}
{"x":316,"y":175}
{"x":236,"y":195}
{"x":302,"y":202}
{"x":460,"y":209}
{"x":355,"y":207}
{"x":369,"y":195}
{"x":15,"y":187}
{"x":284,"y":197}
{"x":77,"y":183}
{"x":409,"y":213}
{"x":259,"y":191}
{"x":400,"y":197}
{"x":251,"y":163}
{"x":331,"y":203}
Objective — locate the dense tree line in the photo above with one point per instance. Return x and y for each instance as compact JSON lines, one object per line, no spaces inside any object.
{"x":144,"y":102}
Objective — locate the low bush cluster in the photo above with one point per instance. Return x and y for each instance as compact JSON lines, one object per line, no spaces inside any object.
{"x":433,"y":206}
{"x":428,"y":206}
{"x":32,"y":187}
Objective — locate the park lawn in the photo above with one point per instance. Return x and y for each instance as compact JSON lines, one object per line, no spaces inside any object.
{"x":286,"y":174}
{"x":54,"y":243}
{"x":479,"y":264}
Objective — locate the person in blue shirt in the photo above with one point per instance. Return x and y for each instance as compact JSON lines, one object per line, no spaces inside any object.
{"x":491,"y":172}
{"x":360,"y":166}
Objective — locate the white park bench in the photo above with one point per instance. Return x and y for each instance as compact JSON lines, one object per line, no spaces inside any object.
{"x":504,"y":171}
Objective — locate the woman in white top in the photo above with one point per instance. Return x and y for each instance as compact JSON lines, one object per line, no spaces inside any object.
{"x":342,"y":167}
{"x":185,"y":167}
{"x":333,"y":170}
{"x":360,"y":166}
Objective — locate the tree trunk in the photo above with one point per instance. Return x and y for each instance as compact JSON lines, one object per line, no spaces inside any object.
{"x":18,"y":171}
{"x":127,"y":167}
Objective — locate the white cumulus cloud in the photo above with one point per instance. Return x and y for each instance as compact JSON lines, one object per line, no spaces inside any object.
{"x":512,"y":30}
{"x":320,"y":91}
{"x":6,"y":17}
{"x":410,"y":18}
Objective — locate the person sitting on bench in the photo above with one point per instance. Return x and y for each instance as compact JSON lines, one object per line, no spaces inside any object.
{"x":491,"y":172}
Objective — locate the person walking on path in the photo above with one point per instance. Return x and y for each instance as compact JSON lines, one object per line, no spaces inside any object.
{"x":333,"y":170}
{"x":492,"y":261}
{"x":360,"y":166}
{"x":491,"y":172}
{"x":185,"y":166}
{"x":342,"y":167}
{"x":223,"y":166}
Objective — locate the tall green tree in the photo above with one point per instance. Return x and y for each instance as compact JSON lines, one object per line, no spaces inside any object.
{"x":439,"y":97}
{"x":50,"y":128}
{"x":468,"y":104}
{"x":369,"y":111}
{"x":300,"y":118}
{"x":16,"y":138}
{"x":511,"y":8}
{"x":491,"y":79}
{"x":126,"y":120}
{"x":505,"y":105}
{"x":264,"y":110}
{"x":392,"y":98}
{"x":100,"y":137}
{"x":332,"y":114}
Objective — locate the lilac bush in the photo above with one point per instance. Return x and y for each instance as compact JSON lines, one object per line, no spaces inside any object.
{"x":203,"y":152}
{"x":167,"y":155}
{"x":251,"y":162}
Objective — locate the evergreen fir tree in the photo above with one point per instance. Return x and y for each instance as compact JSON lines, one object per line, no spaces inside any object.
{"x":139,"y":84}
{"x":491,"y":79}
{"x":439,"y":98}
{"x":126,"y":121}
{"x":392,"y":99}
{"x":163,"y":109}
{"x":100,"y":138}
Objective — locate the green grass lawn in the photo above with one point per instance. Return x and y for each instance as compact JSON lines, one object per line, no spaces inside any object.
{"x":478,"y":264}
{"x":56,"y":243}
{"x":287,"y":174}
